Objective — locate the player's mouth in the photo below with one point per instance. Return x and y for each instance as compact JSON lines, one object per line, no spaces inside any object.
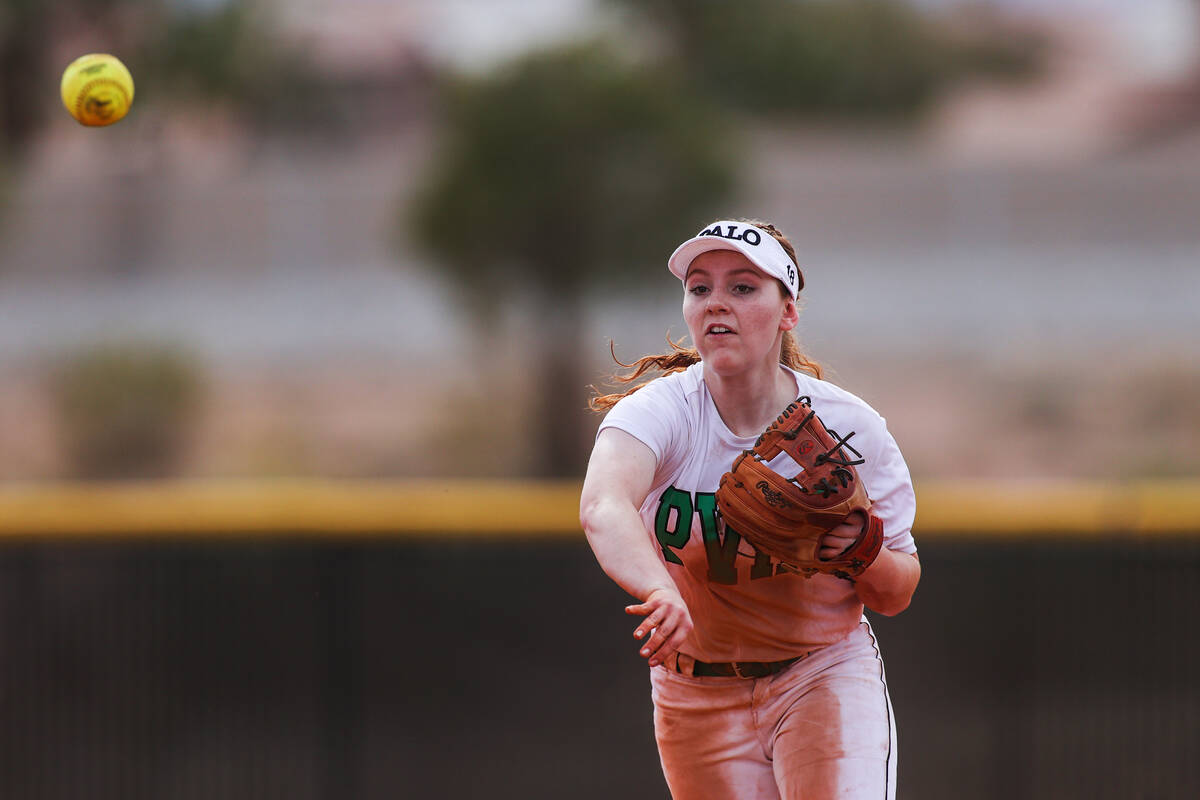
{"x":719,"y":330}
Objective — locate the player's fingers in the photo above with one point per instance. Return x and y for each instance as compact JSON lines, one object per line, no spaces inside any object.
{"x":655,"y":614}
{"x":832,"y":546}
{"x":667,"y":618}
{"x":642,"y":609}
{"x":838,"y":540}
{"x":658,"y":626}
{"x":668,"y":642}
{"x":655,"y":608}
{"x":668,"y":635}
{"x":851,"y":526}
{"x":656,"y":599}
{"x":649,"y":624}
{"x":672,"y":645}
{"x":652,"y":650}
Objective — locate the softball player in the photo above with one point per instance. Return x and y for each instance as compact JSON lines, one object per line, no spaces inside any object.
{"x":766,"y":684}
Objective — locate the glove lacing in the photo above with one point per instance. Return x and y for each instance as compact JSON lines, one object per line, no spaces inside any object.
{"x":823,"y":487}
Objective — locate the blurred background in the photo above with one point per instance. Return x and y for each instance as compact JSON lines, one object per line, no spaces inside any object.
{"x":374,"y":241}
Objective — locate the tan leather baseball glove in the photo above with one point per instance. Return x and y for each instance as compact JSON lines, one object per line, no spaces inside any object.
{"x":786,"y":517}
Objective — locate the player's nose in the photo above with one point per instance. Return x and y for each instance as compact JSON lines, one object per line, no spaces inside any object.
{"x":716,"y":301}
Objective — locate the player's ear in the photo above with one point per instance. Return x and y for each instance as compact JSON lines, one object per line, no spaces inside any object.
{"x":791,"y":315}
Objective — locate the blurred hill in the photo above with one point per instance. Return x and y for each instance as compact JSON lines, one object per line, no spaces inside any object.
{"x":993,"y":280}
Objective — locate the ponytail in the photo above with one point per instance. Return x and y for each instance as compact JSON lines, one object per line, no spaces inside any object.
{"x":680,"y":358}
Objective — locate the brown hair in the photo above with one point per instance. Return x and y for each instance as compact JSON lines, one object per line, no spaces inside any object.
{"x":681,"y":357}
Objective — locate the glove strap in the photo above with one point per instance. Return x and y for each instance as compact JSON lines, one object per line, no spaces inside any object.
{"x":862,"y":553}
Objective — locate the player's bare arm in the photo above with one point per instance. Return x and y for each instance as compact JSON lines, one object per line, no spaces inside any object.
{"x":887,"y":586}
{"x":619,"y":477}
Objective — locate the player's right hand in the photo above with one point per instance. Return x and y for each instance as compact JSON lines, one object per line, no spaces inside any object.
{"x":837,"y":541}
{"x":667,"y":622}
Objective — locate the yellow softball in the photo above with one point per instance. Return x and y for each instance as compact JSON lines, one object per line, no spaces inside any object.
{"x":97,"y":89}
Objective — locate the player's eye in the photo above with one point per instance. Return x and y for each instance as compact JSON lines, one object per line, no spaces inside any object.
{"x":698,"y":288}
{"x":743,"y":288}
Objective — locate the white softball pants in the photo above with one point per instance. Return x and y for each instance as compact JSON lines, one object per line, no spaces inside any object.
{"x":823,"y":728}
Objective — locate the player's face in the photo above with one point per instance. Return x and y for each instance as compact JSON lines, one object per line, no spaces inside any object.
{"x":735,"y":313}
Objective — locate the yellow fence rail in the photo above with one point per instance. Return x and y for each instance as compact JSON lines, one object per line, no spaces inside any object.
{"x":482,"y":508}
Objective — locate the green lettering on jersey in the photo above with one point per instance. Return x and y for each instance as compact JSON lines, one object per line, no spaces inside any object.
{"x":677,"y":535}
{"x":722,"y":555}
{"x":762,"y":566}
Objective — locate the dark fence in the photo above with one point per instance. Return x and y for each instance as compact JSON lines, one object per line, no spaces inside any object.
{"x":342,"y":670}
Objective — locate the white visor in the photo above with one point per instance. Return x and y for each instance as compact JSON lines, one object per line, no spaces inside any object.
{"x":763,"y":250}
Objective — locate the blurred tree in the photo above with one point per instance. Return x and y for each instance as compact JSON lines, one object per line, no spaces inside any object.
{"x":229,"y":52}
{"x":848,"y":58}
{"x":124,"y":409}
{"x":24,"y":29}
{"x":564,"y":170}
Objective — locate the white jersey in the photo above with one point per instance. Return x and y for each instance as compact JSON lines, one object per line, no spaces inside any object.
{"x":743,"y":607}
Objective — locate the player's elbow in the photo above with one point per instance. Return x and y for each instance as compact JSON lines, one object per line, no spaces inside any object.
{"x":889,"y":606}
{"x":593,"y":510}
{"x":888,"y":588}
{"x":587,"y":515}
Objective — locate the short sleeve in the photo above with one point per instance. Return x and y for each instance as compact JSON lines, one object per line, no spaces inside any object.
{"x":890,"y":488}
{"x":654,"y":415}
